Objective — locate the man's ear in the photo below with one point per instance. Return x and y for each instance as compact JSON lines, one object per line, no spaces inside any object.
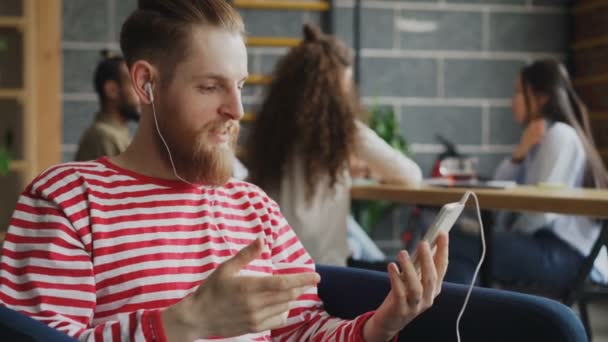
{"x":141,"y":73}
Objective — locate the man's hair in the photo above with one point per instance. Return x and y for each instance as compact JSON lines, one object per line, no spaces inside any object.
{"x":159,"y":30}
{"x":308,"y":114}
{"x":108,"y":69}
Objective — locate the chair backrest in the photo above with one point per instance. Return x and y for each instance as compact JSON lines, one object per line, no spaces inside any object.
{"x":492,"y":315}
{"x":15,"y":326}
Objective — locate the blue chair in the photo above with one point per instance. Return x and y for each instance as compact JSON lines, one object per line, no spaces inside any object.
{"x":492,"y":315}
{"x":15,"y":326}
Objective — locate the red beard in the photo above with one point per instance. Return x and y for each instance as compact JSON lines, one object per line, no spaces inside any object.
{"x":196,"y":158}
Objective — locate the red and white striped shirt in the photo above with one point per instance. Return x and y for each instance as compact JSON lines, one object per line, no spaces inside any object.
{"x":97,"y":251}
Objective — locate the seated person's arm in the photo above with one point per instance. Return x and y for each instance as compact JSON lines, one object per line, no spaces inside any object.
{"x":390,"y":165}
{"x":511,"y":167}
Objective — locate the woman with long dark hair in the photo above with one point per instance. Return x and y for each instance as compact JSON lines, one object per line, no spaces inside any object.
{"x":556,"y":147}
{"x":304,"y":136}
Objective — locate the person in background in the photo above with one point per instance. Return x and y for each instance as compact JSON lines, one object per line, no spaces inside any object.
{"x":109,"y":134}
{"x":362,"y":247}
{"x":304,"y":165}
{"x":556,"y":147}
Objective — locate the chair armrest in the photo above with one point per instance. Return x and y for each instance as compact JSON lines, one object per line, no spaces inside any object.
{"x":492,"y":315}
{"x":15,"y":326}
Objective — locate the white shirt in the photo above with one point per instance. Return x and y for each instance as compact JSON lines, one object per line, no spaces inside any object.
{"x":321,"y":222}
{"x":559,"y":158}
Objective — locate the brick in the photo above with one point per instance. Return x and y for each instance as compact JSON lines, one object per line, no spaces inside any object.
{"x":535,"y":32}
{"x":481,"y":78}
{"x":462,"y":125}
{"x":503,"y":128}
{"x":455,"y":31}
{"x":77,"y":117}
{"x":399,"y":77}
{"x":78,"y":70}
{"x":124,"y":8}
{"x":85,"y":21}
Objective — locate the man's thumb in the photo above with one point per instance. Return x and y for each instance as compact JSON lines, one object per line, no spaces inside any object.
{"x":243,"y":257}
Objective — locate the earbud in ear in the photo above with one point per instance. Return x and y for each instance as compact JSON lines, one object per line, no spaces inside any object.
{"x":148,"y":88}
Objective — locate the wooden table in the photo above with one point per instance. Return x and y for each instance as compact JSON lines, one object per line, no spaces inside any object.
{"x":592,"y":203}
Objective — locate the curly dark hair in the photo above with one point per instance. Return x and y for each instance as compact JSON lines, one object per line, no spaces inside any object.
{"x":308,"y":112}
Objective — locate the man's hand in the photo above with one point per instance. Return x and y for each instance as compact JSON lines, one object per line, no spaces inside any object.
{"x":532,"y":135}
{"x":227,"y":304}
{"x":411,"y":293}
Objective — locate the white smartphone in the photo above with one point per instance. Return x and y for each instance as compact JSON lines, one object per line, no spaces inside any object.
{"x":444,"y":221}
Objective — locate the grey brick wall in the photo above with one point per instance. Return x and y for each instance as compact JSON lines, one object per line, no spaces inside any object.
{"x":88,"y":27}
{"x":445,"y":66}
{"x":448,"y":66}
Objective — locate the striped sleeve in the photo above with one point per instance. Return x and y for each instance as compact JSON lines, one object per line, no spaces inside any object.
{"x":46,"y":270}
{"x":307,"y":321}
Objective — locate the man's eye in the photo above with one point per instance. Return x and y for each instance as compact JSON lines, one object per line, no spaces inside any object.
{"x":208,"y":88}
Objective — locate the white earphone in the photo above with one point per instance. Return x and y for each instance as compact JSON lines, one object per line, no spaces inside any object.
{"x":148,"y":88}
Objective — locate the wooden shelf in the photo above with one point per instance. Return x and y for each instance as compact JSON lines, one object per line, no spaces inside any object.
{"x":273,"y":41}
{"x":302,"y":5}
{"x":38,"y":28}
{"x":18,"y":165}
{"x":590,"y":6}
{"x":248,"y":117}
{"x":259,"y":79}
{"x":591,"y":80}
{"x":15,"y":22}
{"x":598,"y":116}
{"x":591,"y":43}
{"x":11,"y":94}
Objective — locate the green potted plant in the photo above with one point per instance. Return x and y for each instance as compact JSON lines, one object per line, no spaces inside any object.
{"x":383,"y":121}
{"x":5,"y":155}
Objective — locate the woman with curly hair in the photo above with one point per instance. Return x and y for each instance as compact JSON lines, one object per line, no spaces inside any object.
{"x":304,"y":136}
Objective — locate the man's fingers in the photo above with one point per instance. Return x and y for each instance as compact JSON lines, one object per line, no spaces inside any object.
{"x":396,"y":283}
{"x":440,"y":258}
{"x":428,"y":274}
{"x":275,"y":317}
{"x":280,"y":297}
{"x":242,"y":258}
{"x":409,"y":276}
{"x":282,"y":282}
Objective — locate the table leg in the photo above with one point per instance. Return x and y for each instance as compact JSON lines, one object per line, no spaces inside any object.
{"x":487,"y":217}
